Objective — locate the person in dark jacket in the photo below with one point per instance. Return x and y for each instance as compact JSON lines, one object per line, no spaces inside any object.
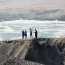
{"x":22,"y":34}
{"x":36,"y":33}
{"x":25,"y":34}
{"x":30,"y":33}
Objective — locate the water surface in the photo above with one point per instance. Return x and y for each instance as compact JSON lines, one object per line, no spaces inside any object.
{"x":10,"y":30}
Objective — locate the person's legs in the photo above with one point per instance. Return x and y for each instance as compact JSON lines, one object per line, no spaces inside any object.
{"x":25,"y":36}
{"x":22,"y":36}
{"x":30,"y":36}
{"x":35,"y":35}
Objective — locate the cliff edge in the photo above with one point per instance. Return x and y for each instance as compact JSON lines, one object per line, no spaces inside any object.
{"x":43,"y":51}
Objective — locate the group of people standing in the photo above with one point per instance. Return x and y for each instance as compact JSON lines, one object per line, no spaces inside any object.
{"x":24,"y":33}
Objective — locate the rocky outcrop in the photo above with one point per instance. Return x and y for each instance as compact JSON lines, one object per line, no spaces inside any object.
{"x":13,"y":49}
{"x":46,"y":51}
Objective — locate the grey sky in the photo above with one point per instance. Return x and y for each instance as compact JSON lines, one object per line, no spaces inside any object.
{"x":27,"y":4}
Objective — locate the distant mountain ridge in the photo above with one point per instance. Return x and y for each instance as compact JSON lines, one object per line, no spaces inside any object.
{"x":54,"y":14}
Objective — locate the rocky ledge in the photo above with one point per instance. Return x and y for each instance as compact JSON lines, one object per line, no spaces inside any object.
{"x":43,"y":51}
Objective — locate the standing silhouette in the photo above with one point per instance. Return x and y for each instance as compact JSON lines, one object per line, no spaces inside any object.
{"x":25,"y":34}
{"x":36,"y":33}
{"x":30,"y":33}
{"x":22,"y":34}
